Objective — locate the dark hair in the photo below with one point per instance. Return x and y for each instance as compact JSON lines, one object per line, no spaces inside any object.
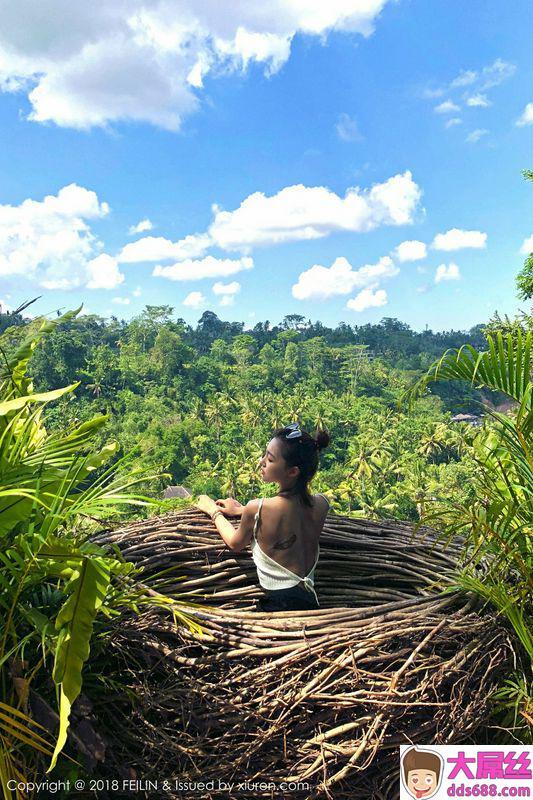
{"x":302,"y":452}
{"x":421,"y":759}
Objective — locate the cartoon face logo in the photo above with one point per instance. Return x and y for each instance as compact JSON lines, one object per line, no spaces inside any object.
{"x":421,"y":773}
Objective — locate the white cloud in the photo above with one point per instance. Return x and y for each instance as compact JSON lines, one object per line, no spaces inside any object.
{"x":348,"y":129}
{"x":121,"y":301}
{"x":457,"y":239}
{"x":137,"y":292}
{"x":421,"y":270}
{"x":447,"y":273}
{"x":478,"y":101}
{"x":208,"y":267}
{"x":320,"y":282}
{"x":446,"y":107}
{"x":103,"y":273}
{"x":368,"y":298}
{"x":301,"y":212}
{"x":411,"y":250}
{"x":85,"y":65}
{"x":226,"y":288}
{"x":465,"y":78}
{"x":527,"y":246}
{"x":478,"y":81}
{"x":430,"y":93}
{"x":496,"y":73}
{"x":526,"y":117}
{"x":4,"y":307}
{"x":453,"y":121}
{"x":194,"y":299}
{"x":49,"y":241}
{"x":476,"y":135}
{"x":227,"y":300}
{"x":141,"y":227}
{"x":157,"y":248}
{"x":423,"y":289}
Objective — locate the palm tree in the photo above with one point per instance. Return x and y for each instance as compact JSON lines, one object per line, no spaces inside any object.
{"x":435,"y":442}
{"x":498,"y":523}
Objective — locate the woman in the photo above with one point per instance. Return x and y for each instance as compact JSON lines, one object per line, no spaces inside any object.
{"x":283,"y":530}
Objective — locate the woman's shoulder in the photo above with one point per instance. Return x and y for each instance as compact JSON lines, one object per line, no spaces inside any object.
{"x":254,"y":505}
{"x":322,"y":499}
{"x":273,"y":503}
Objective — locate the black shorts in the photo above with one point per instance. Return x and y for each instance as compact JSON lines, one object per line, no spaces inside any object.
{"x":296,"y":598}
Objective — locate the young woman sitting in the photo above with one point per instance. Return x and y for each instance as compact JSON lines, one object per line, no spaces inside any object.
{"x":284,"y":530}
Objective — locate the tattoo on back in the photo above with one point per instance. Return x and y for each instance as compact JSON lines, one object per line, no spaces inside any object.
{"x":284,"y":544}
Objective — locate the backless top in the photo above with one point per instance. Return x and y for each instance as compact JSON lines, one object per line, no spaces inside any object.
{"x":273,"y":575}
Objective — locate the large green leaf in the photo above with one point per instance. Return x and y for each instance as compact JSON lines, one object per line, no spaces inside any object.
{"x":8,"y":406}
{"x":507,"y":371}
{"x":75,"y":624}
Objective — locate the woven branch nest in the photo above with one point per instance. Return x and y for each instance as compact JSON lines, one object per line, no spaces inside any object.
{"x":321,"y":697}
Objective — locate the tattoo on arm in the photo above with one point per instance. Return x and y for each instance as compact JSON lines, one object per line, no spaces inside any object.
{"x":284,"y":544}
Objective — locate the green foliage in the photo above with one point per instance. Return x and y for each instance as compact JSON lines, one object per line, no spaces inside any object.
{"x":524,"y":279}
{"x":51,"y":485}
{"x":498,"y":520}
{"x":201,"y":404}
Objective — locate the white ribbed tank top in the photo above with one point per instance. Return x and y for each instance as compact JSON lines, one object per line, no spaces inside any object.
{"x":273,"y":575}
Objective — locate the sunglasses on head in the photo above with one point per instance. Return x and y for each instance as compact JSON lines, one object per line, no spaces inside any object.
{"x":294,"y":431}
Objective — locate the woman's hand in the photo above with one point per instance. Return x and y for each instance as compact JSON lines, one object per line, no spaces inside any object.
{"x":230,"y":507}
{"x":207,"y":504}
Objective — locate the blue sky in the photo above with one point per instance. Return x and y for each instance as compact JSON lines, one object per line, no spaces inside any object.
{"x":296,"y":149}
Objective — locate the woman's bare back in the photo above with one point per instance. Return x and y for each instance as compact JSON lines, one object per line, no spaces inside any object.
{"x":289,"y":531}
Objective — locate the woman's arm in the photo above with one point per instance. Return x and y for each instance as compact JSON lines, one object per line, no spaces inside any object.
{"x":238,"y":539}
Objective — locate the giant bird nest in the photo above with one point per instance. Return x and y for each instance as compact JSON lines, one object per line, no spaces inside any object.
{"x":321,"y":697}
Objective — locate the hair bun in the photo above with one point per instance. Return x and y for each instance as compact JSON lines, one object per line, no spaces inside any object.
{"x":322,"y":439}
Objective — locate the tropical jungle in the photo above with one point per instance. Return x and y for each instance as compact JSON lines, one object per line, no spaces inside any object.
{"x":99,"y":416}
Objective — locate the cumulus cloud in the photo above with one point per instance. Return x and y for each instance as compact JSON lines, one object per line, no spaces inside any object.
{"x":145,"y":60}
{"x":496,"y":73}
{"x":476,"y":135}
{"x":370,"y":297}
{"x":478,"y":83}
{"x":137,"y":292}
{"x":320,"y":282}
{"x":227,"y":300}
{"x":465,"y":78}
{"x":157,"y":248}
{"x":50,"y":242}
{"x":450,"y":123}
{"x":194,"y":299}
{"x":141,"y":227}
{"x":526,"y":118}
{"x":478,"y":101}
{"x":348,"y":129}
{"x":411,"y":250}
{"x":208,"y":267}
{"x":527,"y":246}
{"x":448,"y":272}
{"x":486,"y":78}
{"x":226,"y":288}
{"x":446,"y":107}
{"x":457,"y":239}
{"x":121,"y":301}
{"x":103,"y":273}
{"x":301,"y":212}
